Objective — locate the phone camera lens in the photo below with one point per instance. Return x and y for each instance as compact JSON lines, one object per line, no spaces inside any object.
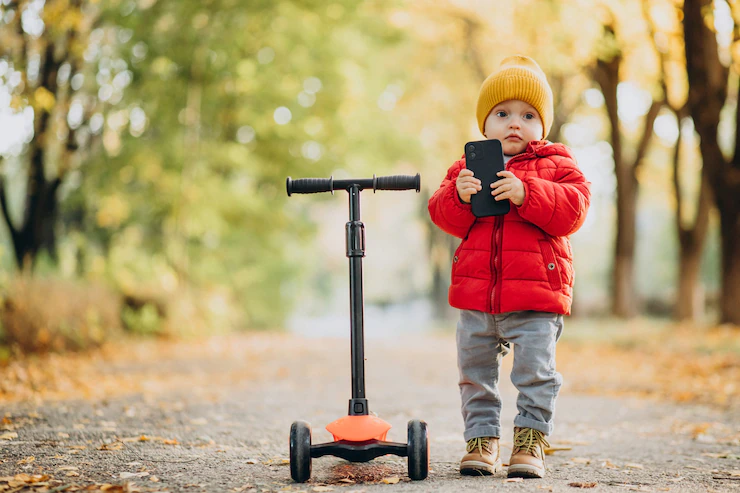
{"x":471,"y":147}
{"x":472,"y":155}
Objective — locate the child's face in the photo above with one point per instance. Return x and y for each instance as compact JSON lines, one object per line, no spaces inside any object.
{"x":515,"y":123}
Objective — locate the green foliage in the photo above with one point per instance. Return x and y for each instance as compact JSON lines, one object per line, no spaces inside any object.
{"x":143,"y":321}
{"x":198,"y":194}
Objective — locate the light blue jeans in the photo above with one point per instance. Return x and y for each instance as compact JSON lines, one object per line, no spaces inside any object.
{"x":482,"y":340}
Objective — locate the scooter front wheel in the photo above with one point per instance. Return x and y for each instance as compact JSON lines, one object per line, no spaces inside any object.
{"x":418,"y":449}
{"x":300,"y":451}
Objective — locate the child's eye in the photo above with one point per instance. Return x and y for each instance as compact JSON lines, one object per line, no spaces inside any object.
{"x":529,"y":116}
{"x":501,"y":114}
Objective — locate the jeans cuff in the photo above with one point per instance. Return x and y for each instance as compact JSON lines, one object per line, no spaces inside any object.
{"x":522,"y":422}
{"x":483,"y":431}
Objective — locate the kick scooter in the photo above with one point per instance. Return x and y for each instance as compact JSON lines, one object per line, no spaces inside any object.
{"x":359,"y":436}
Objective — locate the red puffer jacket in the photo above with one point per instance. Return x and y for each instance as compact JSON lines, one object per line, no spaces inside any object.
{"x":523,"y":260}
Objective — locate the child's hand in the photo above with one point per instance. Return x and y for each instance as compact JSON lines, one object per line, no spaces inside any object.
{"x":510,"y":187}
{"x":467,"y":185}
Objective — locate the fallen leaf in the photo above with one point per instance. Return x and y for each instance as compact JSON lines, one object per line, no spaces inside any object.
{"x":513,"y":480}
{"x":252,"y":461}
{"x":346,"y":480}
{"x":322,"y":488}
{"x":553,"y":449}
{"x":609,"y":464}
{"x":581,"y":460}
{"x":391,"y":480}
{"x":633,"y":465}
{"x":27,"y":460}
{"x":9,"y":435}
{"x":72,"y":474}
{"x":127,"y":475}
{"x":582,"y":485}
{"x":721,"y":455}
{"x":543,"y":487}
{"x":171,"y":442}
{"x":111,"y":446}
{"x":111,"y":487}
{"x":154,"y":479}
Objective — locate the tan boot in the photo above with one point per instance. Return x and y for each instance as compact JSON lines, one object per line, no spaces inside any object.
{"x":482,"y":458}
{"x":528,"y":454}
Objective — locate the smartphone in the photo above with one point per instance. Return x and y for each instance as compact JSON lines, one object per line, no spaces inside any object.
{"x":485,"y":158}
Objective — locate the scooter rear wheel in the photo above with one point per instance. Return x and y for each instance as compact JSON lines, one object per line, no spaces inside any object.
{"x":418,"y":449}
{"x":300,"y":451}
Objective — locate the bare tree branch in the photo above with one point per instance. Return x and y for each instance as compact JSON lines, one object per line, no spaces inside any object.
{"x":647,"y":133}
{"x":6,"y":210}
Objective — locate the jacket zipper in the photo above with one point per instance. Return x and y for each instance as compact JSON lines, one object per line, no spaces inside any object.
{"x":497,"y":260}
{"x":492,"y":294}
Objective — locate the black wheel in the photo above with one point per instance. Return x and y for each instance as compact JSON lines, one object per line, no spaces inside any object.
{"x":418,"y":450}
{"x":300,"y":451}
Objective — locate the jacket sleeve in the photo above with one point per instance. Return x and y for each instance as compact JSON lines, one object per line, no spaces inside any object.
{"x":558,"y":207}
{"x":445,"y":207}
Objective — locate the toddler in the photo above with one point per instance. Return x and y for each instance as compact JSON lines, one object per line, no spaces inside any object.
{"x":512,"y":275}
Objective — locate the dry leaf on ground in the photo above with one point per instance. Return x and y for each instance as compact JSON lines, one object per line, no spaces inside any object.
{"x":553,"y":449}
{"x":111,"y":446}
{"x":583,"y":485}
{"x":391,"y":480}
{"x":581,"y":460}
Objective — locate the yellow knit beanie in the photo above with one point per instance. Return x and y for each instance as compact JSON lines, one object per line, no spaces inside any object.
{"x":518,"y":77}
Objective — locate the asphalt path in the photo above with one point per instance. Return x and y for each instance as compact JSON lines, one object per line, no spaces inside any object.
{"x":218,"y":419}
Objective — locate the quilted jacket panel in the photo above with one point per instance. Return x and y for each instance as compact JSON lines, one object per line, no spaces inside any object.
{"x":523,"y":260}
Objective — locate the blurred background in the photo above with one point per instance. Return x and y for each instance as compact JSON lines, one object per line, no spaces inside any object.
{"x":144,"y":147}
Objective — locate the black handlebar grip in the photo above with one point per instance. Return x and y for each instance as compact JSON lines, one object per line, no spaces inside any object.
{"x":309,"y":185}
{"x":397,"y":182}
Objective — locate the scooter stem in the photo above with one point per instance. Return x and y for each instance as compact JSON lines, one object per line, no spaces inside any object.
{"x":355,"y":234}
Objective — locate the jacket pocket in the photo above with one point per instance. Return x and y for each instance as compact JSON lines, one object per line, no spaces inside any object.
{"x":551,"y":265}
{"x":456,"y":260}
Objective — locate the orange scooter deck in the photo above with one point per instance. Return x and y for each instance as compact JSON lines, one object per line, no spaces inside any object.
{"x":359,"y":428}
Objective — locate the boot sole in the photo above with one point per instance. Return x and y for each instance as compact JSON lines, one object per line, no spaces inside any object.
{"x":525,"y":471}
{"x":478,"y":468}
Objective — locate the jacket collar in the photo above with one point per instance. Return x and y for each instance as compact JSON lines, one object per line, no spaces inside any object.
{"x":543,"y":148}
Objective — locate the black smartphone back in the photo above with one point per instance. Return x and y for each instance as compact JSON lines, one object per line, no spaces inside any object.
{"x":485,"y":158}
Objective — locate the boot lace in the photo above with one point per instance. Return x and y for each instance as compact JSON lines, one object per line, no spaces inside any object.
{"x":530,"y":441}
{"x":481,"y":443}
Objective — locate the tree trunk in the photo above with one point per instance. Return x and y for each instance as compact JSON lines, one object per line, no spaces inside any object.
{"x":607,"y":76}
{"x":707,"y":94}
{"x":690,"y":297}
{"x":730,"y":234}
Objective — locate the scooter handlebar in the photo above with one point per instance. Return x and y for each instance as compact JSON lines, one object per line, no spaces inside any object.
{"x":398,"y":182}
{"x":318,"y":185}
{"x":309,"y":185}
